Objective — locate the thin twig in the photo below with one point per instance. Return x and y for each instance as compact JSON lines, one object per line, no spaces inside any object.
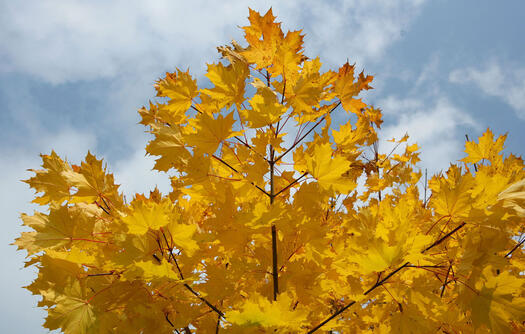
{"x":515,"y":247}
{"x":475,"y":167}
{"x":218,"y":325}
{"x":103,"y":274}
{"x":291,"y":184}
{"x":437,"y":242}
{"x":189,"y":288}
{"x":235,"y":170}
{"x":308,"y":132}
{"x":445,"y":283}
{"x":382,"y":281}
{"x":168,"y":319}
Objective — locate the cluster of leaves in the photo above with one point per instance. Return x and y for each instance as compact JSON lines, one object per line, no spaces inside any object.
{"x":266,"y":233}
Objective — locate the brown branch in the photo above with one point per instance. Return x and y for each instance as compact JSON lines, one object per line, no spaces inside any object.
{"x":307,"y":133}
{"x":515,"y":247}
{"x":382,"y":281}
{"x":194,"y":108}
{"x":103,"y":274}
{"x":475,"y":167}
{"x":245,"y":143}
{"x":341,"y":310}
{"x":235,"y":170}
{"x":189,"y":288}
{"x":218,"y":325}
{"x":437,"y":242}
{"x":275,"y":271}
{"x":168,"y":319}
{"x":103,"y":209}
{"x":104,"y":201}
{"x":446,"y":281}
{"x":291,"y":183}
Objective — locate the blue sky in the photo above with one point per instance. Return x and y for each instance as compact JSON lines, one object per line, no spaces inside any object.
{"x":73,"y":74}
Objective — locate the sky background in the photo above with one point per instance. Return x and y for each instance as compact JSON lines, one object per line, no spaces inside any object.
{"x":73,"y":74}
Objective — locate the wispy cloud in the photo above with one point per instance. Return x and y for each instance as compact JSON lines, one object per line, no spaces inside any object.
{"x":77,"y":40}
{"x":135,"y":174}
{"x":494,"y":79}
{"x":430,"y":118}
{"x":16,"y":197}
{"x":435,"y":124}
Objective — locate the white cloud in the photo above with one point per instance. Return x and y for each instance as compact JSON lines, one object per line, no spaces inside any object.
{"x":434,"y":124}
{"x":504,"y":82}
{"x":135,"y":175}
{"x":59,"y":41}
{"x":70,"y":144}
{"x":16,"y":197}
{"x":17,"y":303}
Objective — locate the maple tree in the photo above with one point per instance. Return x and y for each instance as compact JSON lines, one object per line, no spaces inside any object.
{"x":264,"y":232}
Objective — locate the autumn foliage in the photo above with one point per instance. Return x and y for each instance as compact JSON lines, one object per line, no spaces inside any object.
{"x":266,"y":228}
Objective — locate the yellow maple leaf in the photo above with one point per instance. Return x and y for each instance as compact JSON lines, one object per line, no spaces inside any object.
{"x":182,"y":236}
{"x":75,"y":255}
{"x":73,"y":312}
{"x":263,"y":36}
{"x":451,"y":196}
{"x":379,"y":257}
{"x":348,"y":138}
{"x":288,"y":56}
{"x":93,"y":183}
{"x":498,"y":301}
{"x":57,"y":229}
{"x":308,"y":90}
{"x":328,"y":170}
{"x":145,"y":215}
{"x":155,"y":271}
{"x":210,"y":132}
{"x":50,"y":180}
{"x":229,"y":83}
{"x":265,"y":109}
{"x":488,"y":148}
{"x":180,"y":88}
{"x":514,"y":197}
{"x":346,"y":89}
{"x":259,"y":311}
{"x":169,"y":146}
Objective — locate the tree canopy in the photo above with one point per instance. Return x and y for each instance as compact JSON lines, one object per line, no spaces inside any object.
{"x":278,"y":221}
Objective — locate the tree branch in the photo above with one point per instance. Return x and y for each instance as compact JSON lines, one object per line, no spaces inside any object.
{"x":235,"y":170}
{"x":445,"y":283}
{"x":275,"y":271}
{"x":382,"y":281}
{"x":437,"y":242}
{"x":189,"y":288}
{"x":307,"y":133}
{"x":291,"y":183}
{"x":515,"y":247}
{"x":218,"y":325}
